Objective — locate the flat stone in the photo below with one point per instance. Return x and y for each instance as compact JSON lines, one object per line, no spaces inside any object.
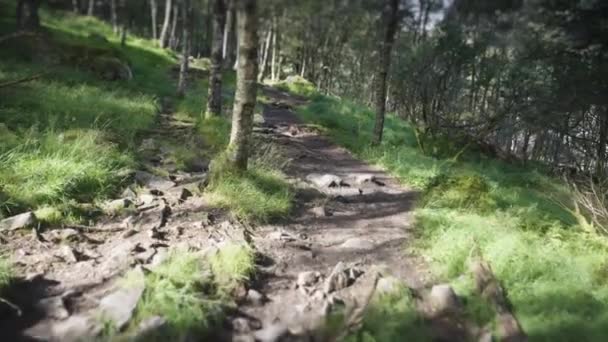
{"x":76,"y":328}
{"x":443,"y":299}
{"x":321,"y":211}
{"x":152,"y":181}
{"x":254,"y":297}
{"x":325,"y":181}
{"x":24,"y":220}
{"x":308,"y":278}
{"x":357,"y":243}
{"x":53,"y":307}
{"x":145,"y":199}
{"x":119,"y":305}
{"x":68,"y":254}
{"x":389,"y":285}
{"x":365,"y":178}
{"x":117,"y":205}
{"x":271,"y":333}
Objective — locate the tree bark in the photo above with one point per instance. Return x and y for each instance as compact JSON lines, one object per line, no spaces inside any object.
{"x":27,"y":14}
{"x":391,"y":18}
{"x":264,"y":61}
{"x":75,"y":7}
{"x":91,"y":8}
{"x":153,"y":16}
{"x":114,"y":16}
{"x":214,"y":95}
{"x":173,"y":37}
{"x":246,"y":86}
{"x":273,"y":61}
{"x":165,"y":29}
{"x":228,"y":42}
{"x":183,"y":68}
{"x":601,"y":147}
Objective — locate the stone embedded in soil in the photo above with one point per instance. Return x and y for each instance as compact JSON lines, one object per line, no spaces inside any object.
{"x":118,"y":205}
{"x":150,"y":327}
{"x":152,"y":181}
{"x":325,"y":181}
{"x":321,"y":211}
{"x":119,"y":305}
{"x":389,"y":285}
{"x":76,"y":328}
{"x":25,"y":220}
{"x":308,"y":278}
{"x":53,"y":307}
{"x":254,"y":297}
{"x":443,"y":299}
{"x":273,"y":333}
{"x":145,"y":199}
{"x":337,"y":280}
{"x":241,"y":325}
{"x":365,"y":178}
{"x":357,"y":243}
{"x":68,"y":254}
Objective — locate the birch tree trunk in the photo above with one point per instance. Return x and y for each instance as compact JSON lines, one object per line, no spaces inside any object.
{"x":91,"y":7}
{"x":214,"y":95}
{"x":264,"y":61}
{"x":228,"y":42}
{"x":165,"y":29}
{"x":183,"y":68}
{"x":114,"y":16}
{"x":391,"y":18}
{"x":153,"y":16}
{"x":273,"y":61}
{"x":246,"y":86}
{"x":75,"y":7}
{"x":173,"y":36}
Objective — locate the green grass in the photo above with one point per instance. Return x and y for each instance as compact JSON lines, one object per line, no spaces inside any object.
{"x":191,"y":290}
{"x":6,"y":273}
{"x":554,"y":272}
{"x":68,"y":136}
{"x":297,"y":85}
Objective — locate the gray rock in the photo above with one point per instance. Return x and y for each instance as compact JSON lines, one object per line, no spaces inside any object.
{"x":68,"y":254}
{"x":53,"y":307}
{"x":337,"y":280}
{"x":197,"y":165}
{"x":254,"y":297}
{"x":150,"y":327}
{"x":271,"y":333}
{"x":443,"y":299}
{"x":308,"y":278}
{"x":118,"y":205}
{"x":119,"y":305}
{"x":321,"y":211}
{"x":25,"y":220}
{"x":152,"y":181}
{"x":389,"y":285}
{"x":357,"y":243}
{"x":129,"y":194}
{"x":146,"y":199}
{"x":241,"y":325}
{"x":365,"y":178}
{"x":185,"y":194}
{"x":325,"y":181}
{"x":76,"y":328}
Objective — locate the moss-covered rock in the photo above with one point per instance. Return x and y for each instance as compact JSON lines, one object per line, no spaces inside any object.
{"x":465,"y":191}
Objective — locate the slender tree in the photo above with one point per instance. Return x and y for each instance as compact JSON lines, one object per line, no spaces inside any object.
{"x":153,"y":17}
{"x":27,"y":14}
{"x":390,"y":21}
{"x":75,"y":6}
{"x":246,"y":85}
{"x":91,"y":7}
{"x":173,"y":36}
{"x":228,"y":43}
{"x":214,"y":96}
{"x":162,"y":41}
{"x":114,"y":16}
{"x":183,"y":69}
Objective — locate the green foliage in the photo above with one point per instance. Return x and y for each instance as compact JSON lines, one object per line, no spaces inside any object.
{"x":231,"y":265}
{"x":297,"y":85}
{"x":6,"y":273}
{"x":391,"y":317}
{"x":553,"y":271}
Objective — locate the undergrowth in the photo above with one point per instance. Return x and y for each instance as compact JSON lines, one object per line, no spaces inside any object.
{"x":554,"y":271}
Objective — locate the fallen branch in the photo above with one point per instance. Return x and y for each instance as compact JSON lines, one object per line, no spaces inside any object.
{"x":83,"y":228}
{"x":489,"y":288}
{"x":25,"y":79}
{"x":15,"y":35}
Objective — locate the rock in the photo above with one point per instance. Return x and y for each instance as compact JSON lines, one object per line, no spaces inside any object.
{"x":152,"y":181}
{"x":98,"y":38}
{"x":241,"y":325}
{"x":326,"y":180}
{"x":243,"y":338}
{"x":128,"y":193}
{"x":53,"y":307}
{"x":25,"y":220}
{"x":118,"y":205}
{"x":76,"y":328}
{"x":145,"y":199}
{"x":197,"y":165}
{"x":111,"y":68}
{"x":68,"y":254}
{"x":272,"y":333}
{"x":254,"y":297}
{"x":337,"y":280}
{"x":282,"y":236}
{"x":365,"y":178}
{"x":357,"y":243}
{"x":321,"y":211}
{"x":443,"y":299}
{"x":150,"y":327}
{"x":119,"y":305}
{"x":308,"y":278}
{"x":65,"y":234}
{"x":185,"y":194}
{"x":128,"y":233}
{"x":389,"y":285}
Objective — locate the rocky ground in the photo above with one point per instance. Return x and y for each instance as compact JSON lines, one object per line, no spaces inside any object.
{"x":347,"y":239}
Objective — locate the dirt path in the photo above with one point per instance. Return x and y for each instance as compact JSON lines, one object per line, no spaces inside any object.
{"x":348,"y":214}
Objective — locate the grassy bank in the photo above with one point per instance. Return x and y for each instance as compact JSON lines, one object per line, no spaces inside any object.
{"x":554,"y":272}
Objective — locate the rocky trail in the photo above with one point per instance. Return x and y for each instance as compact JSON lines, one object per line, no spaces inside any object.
{"x":347,"y":239}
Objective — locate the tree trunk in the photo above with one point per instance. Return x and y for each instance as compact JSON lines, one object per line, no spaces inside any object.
{"x":214,"y":96}
{"x":183,"y":68}
{"x":27,"y":14}
{"x":273,"y":62}
{"x":228,"y":40}
{"x":165,"y":29}
{"x":91,"y":8}
{"x":246,"y":86}
{"x":153,"y":16}
{"x":75,"y":7}
{"x":391,"y":18}
{"x":264,"y":62}
{"x":601,"y":147}
{"x":114,"y":16}
{"x":173,"y":37}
